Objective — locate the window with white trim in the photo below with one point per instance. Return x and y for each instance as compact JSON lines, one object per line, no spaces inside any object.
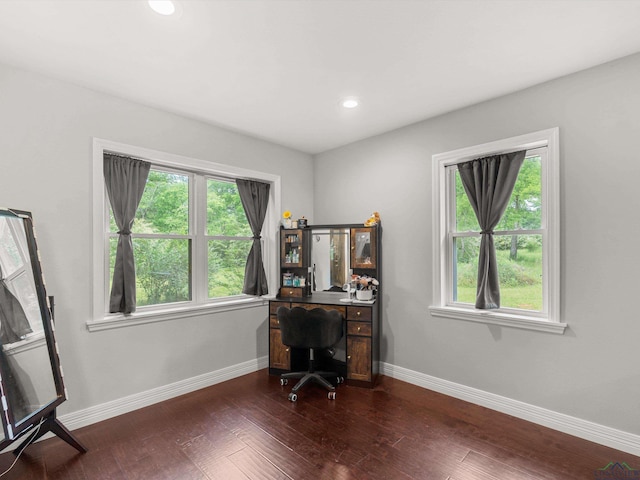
{"x":169,"y":243}
{"x":526,"y":239}
{"x":190,"y":235}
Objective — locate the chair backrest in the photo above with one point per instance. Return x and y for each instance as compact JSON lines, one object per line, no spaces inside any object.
{"x":316,"y":328}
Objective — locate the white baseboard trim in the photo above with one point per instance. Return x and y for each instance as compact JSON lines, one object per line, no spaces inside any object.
{"x":111,"y":409}
{"x":618,"y":439}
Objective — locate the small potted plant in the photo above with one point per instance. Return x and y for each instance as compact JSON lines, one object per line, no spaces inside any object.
{"x":286,"y":219}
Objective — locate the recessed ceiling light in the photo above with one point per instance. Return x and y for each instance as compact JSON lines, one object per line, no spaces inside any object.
{"x":163,"y":7}
{"x":350,"y":102}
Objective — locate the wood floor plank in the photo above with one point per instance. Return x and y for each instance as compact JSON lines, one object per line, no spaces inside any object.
{"x":482,"y":466}
{"x":211,"y":457}
{"x":223,"y":469}
{"x":254,"y":465}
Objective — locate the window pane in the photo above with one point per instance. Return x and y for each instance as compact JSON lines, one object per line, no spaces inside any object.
{"x":519,"y":266}
{"x":524,"y":209}
{"x":227,"y":260}
{"x":164,"y":207}
{"x":465,"y":269}
{"x":520,"y":270}
{"x":225,"y":214}
{"x":162,"y":269}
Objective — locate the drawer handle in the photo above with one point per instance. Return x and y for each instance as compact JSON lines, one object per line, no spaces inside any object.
{"x":358,"y":313}
{"x":358,"y":329}
{"x":291,"y":293}
{"x":348,"y":357}
{"x":286,"y":349}
{"x":278,"y":322}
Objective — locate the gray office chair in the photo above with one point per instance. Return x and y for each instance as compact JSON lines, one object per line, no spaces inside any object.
{"x":313,"y":329}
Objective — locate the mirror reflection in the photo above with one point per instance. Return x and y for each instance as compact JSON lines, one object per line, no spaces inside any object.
{"x":329,"y":259}
{"x":28,"y":380}
{"x":363,"y":248}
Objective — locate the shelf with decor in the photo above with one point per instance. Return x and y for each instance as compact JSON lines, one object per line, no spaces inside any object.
{"x":294,"y":262}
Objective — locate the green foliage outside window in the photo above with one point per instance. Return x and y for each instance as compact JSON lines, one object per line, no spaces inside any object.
{"x":226,"y":257}
{"x":519,"y":255}
{"x":164,"y":264}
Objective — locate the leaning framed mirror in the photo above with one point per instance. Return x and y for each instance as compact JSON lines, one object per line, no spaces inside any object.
{"x":30,"y":375}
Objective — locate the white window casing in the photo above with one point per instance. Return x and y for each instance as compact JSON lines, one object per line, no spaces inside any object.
{"x":200,"y":304}
{"x":547,"y":320}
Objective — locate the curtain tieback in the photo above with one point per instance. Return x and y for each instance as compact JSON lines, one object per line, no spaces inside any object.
{"x":486,"y":232}
{"x":124,"y":232}
{"x":257,"y":237}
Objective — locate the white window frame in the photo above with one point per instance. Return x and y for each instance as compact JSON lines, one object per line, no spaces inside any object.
{"x":549,"y":319}
{"x":200,"y":303}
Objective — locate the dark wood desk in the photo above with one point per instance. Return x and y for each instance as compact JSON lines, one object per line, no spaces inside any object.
{"x":357,"y":356}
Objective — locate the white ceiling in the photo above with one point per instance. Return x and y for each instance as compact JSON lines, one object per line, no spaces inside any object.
{"x":277,"y":69}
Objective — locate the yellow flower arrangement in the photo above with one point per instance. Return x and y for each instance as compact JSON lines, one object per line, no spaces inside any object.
{"x":286,"y":214}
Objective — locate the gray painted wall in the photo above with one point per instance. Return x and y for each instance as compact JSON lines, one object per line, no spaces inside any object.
{"x":591,"y":372}
{"x":46,"y":130}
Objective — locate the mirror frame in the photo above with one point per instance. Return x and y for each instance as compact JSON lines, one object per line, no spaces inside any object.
{"x":374,"y":249}
{"x":13,"y":427}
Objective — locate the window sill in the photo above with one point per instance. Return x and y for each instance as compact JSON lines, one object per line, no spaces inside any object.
{"x":120,"y":320}
{"x":498,"y":318}
{"x":30,"y":342}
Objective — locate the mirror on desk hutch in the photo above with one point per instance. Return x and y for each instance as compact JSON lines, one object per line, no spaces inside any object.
{"x":329,"y":259}
{"x":363,"y":248}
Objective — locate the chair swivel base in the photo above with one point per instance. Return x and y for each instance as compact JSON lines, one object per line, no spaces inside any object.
{"x":306,"y":377}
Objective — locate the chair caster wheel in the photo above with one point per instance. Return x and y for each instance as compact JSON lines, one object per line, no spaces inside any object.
{"x":293,"y":397}
{"x":331,"y":395}
{"x":283,"y":381}
{"x":339,"y":380}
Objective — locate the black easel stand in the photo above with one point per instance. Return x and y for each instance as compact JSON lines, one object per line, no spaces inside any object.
{"x":50,"y":424}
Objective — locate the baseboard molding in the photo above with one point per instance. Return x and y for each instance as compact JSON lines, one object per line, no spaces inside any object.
{"x":107,"y":410}
{"x":610,"y":437}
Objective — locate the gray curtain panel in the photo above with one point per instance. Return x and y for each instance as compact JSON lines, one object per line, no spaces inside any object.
{"x":488,"y":183}
{"x":13,"y":320}
{"x":255,"y":198}
{"x":125,"y":179}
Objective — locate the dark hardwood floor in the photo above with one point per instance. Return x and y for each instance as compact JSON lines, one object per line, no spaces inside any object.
{"x":247,"y":429}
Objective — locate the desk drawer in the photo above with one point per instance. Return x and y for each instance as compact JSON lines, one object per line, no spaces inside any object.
{"x":273,"y":321}
{"x":359,"y":313}
{"x":359,"y":328}
{"x":295,"y":292}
